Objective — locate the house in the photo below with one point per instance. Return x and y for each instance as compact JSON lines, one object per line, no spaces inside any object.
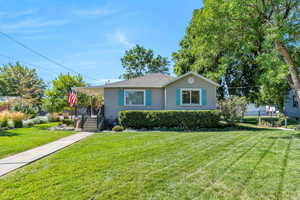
{"x":253,"y":110}
{"x":156,"y":91}
{"x":290,"y":109}
{"x":291,"y":106}
{"x":5,"y":102}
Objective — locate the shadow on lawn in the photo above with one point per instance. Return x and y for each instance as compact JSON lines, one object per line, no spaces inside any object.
{"x":7,"y":134}
{"x":221,"y":128}
{"x":292,"y":136}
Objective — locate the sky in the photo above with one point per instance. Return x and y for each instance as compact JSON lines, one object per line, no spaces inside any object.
{"x":90,"y":36}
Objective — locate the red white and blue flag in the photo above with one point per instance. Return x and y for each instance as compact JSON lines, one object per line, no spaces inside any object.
{"x":72,"y":99}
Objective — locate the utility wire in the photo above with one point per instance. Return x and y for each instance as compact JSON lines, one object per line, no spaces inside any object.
{"x":41,"y":55}
{"x":27,"y":63}
{"x":246,"y":87}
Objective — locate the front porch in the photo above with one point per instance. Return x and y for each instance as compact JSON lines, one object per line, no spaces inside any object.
{"x":91,"y":117}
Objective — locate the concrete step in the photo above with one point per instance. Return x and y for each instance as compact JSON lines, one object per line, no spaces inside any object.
{"x":92,"y":130}
{"x":89,"y":127}
{"x":90,"y":123}
{"x":92,"y":119}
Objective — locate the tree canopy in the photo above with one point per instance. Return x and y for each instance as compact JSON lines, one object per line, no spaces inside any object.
{"x":56,"y":97}
{"x":139,"y":61}
{"x":250,"y":47}
{"x":18,"y":80}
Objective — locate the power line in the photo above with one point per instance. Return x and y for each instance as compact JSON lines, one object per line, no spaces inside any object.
{"x":41,"y":55}
{"x":27,"y":63}
{"x":246,"y":87}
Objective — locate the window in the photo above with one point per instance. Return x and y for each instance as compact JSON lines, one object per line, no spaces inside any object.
{"x":134,"y":97}
{"x":190,"y":96}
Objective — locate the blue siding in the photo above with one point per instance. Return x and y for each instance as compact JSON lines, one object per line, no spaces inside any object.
{"x":121,"y":97}
{"x":148,"y":97}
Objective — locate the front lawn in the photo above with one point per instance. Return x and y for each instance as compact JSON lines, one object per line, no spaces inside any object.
{"x":261,"y":164}
{"x":22,"y":139}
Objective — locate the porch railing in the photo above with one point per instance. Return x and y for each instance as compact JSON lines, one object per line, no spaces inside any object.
{"x":100,"y":118}
{"x":84,"y":117}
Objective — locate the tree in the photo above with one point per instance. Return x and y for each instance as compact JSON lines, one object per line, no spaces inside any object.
{"x":18,"y":80}
{"x":233,"y":109}
{"x":235,"y":42}
{"x":139,"y":61}
{"x":56,"y":97}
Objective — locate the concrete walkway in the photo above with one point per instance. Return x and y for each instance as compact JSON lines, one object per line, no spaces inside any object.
{"x":285,"y":129}
{"x":16,"y":161}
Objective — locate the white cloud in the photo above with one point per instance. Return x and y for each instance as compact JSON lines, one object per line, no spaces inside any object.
{"x":16,"y":14}
{"x":31,"y":25}
{"x":95,"y":12}
{"x":121,"y":38}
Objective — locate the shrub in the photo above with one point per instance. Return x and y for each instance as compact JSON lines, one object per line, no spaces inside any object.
{"x":30,"y":110}
{"x":233,"y":109}
{"x":68,"y":122}
{"x":66,"y":115}
{"x":28,"y":123}
{"x":53,"y":117}
{"x":17,"y":119}
{"x":275,"y":121}
{"x":4,"y":116}
{"x":118,"y":128}
{"x":190,"y":120}
{"x":43,"y":120}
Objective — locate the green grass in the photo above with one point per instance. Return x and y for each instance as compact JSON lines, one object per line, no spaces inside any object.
{"x":21,"y":139}
{"x":261,"y":164}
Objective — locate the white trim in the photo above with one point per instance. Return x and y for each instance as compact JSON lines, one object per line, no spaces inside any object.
{"x":195,"y":74}
{"x":191,"y":89}
{"x":125,"y":90}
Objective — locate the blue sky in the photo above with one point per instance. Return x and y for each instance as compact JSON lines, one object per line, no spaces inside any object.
{"x":90,"y":36}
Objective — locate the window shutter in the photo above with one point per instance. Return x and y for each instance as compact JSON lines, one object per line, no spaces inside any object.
{"x":178,"y":97}
{"x":203,"y":96}
{"x":148,"y":97}
{"x":121,"y":97}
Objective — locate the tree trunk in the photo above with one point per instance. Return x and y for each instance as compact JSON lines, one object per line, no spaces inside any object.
{"x":294,"y":74}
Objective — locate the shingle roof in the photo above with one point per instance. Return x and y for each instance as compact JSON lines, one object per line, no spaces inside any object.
{"x":153,"y":80}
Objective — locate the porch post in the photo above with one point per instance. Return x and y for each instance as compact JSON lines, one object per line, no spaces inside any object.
{"x":91,"y":105}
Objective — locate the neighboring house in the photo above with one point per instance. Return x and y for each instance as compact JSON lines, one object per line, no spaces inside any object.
{"x":253,"y":110}
{"x":4,"y":107}
{"x":156,"y":91}
{"x":291,"y":106}
{"x":4,"y":103}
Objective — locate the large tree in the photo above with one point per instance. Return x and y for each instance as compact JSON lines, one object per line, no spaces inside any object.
{"x":248,"y":43}
{"x":18,"y":80}
{"x":139,"y":61}
{"x":56,"y":97}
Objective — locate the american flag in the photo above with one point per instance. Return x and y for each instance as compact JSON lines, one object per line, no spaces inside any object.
{"x":72,"y":99}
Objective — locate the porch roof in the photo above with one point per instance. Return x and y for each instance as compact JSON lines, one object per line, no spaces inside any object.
{"x":90,"y":91}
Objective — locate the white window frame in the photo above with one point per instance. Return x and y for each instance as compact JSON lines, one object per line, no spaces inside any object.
{"x":191,"y":89}
{"x":134,"y":90}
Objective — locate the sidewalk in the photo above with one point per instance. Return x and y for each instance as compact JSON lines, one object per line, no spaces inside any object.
{"x":16,"y":161}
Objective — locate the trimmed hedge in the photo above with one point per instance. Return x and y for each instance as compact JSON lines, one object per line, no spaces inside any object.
{"x":189,"y":120}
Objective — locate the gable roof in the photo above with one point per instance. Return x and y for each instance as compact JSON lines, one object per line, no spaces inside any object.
{"x":153,"y":80}
{"x":195,"y":74}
